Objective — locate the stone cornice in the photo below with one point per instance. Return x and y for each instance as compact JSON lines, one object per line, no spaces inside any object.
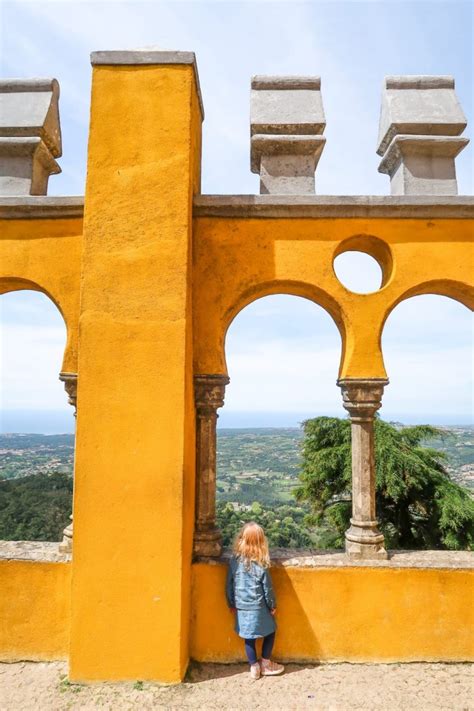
{"x":263,"y":206}
{"x":334,"y":206}
{"x":41,"y":207}
{"x":309,"y":558}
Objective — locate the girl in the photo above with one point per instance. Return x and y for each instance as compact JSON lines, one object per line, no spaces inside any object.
{"x":250,"y":595}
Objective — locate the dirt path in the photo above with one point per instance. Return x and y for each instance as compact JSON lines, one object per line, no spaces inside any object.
{"x":340,"y":687}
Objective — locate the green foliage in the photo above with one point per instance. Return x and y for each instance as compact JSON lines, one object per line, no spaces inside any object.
{"x":35,"y":508}
{"x":418,"y":505}
{"x":283,"y":525}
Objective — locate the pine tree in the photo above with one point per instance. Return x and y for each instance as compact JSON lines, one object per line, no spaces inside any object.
{"x":418,"y":505}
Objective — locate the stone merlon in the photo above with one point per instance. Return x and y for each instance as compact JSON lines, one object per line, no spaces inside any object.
{"x":419,"y":134}
{"x":30,"y":135}
{"x":286,"y":122}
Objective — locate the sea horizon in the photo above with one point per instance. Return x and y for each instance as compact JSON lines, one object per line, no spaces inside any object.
{"x":56,"y":422}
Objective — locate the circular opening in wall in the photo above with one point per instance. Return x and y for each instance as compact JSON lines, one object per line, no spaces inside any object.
{"x":358,"y":272}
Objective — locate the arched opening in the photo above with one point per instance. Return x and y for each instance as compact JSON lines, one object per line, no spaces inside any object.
{"x":37,"y":424}
{"x":283,"y":355}
{"x":427,"y":347}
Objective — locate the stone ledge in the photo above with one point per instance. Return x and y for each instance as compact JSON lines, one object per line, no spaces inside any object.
{"x":48,"y":552}
{"x":41,"y":207}
{"x":265,"y":206}
{"x":33,"y":551}
{"x":333,"y":206}
{"x":293,"y":558}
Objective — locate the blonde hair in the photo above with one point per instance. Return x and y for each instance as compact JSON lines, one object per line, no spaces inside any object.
{"x":251,"y":545}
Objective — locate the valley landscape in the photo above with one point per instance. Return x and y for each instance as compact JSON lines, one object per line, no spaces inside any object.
{"x":257,"y":472}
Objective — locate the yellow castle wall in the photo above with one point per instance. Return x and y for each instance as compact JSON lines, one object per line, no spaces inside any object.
{"x":238,"y":260}
{"x":35,"y":610}
{"x":45,"y":255}
{"x":355,"y":614}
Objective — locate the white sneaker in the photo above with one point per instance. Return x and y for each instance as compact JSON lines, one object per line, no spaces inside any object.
{"x":255,"y":672}
{"x":270,"y":668}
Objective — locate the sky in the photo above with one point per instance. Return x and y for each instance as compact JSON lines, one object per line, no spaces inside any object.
{"x":282,"y":351}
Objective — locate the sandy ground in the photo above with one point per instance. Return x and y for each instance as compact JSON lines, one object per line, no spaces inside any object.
{"x":44,"y":687}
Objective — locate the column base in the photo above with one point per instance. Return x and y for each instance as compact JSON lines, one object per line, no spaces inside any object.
{"x":66,"y":544}
{"x":208,"y":543}
{"x":364,"y":541}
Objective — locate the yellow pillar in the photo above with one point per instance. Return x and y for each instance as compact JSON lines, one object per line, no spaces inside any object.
{"x":134,"y":474}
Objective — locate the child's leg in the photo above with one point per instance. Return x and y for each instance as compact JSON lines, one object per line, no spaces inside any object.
{"x":267,"y":646}
{"x":269,"y":668}
{"x":250,"y":651}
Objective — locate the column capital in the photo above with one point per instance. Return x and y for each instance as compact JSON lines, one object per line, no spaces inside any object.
{"x":362,"y":397}
{"x":70,"y":386}
{"x":209,"y":391}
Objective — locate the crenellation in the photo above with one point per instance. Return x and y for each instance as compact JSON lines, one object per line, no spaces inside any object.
{"x":30,"y":135}
{"x":421,"y":120}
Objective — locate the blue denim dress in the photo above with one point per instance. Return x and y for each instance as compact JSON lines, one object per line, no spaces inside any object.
{"x":250,"y":591}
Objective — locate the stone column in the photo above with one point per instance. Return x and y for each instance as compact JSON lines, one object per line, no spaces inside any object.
{"x":362,"y":399}
{"x":209,"y":393}
{"x":70,"y":386}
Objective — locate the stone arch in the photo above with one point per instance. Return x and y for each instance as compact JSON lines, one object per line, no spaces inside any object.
{"x":11,"y":284}
{"x":311,"y":292}
{"x":457,"y":290}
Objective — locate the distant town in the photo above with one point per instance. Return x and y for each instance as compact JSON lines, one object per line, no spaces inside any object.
{"x":255,"y":464}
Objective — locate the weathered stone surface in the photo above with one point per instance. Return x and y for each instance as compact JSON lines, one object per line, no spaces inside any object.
{"x":41,"y":551}
{"x":422,"y":165}
{"x":422,"y":105}
{"x":362,"y":399}
{"x":410,"y":206}
{"x":324,"y":206}
{"x":30,"y":107}
{"x":286,"y":105}
{"x":309,"y":558}
{"x":286,"y":120}
{"x":30,"y":135}
{"x":45,"y":551}
{"x":70,"y":385}
{"x":420,"y":122}
{"x":209,"y":393}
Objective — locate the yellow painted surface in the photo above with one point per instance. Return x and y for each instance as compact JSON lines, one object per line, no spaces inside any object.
{"x":35,"y":604}
{"x":45,"y":255}
{"x":239,"y":260}
{"x":346,"y":614}
{"x":134,"y":471}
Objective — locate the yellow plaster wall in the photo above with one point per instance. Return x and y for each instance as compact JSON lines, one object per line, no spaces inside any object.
{"x":356,"y":614}
{"x":45,"y":255}
{"x":134,"y":471}
{"x":35,"y":603}
{"x":237,"y":260}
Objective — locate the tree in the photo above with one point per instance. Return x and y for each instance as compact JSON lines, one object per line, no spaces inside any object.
{"x":36,"y":507}
{"x":418,"y":505}
{"x":283,"y":525}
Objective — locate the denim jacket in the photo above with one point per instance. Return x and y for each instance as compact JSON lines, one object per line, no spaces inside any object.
{"x":249,"y":589}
